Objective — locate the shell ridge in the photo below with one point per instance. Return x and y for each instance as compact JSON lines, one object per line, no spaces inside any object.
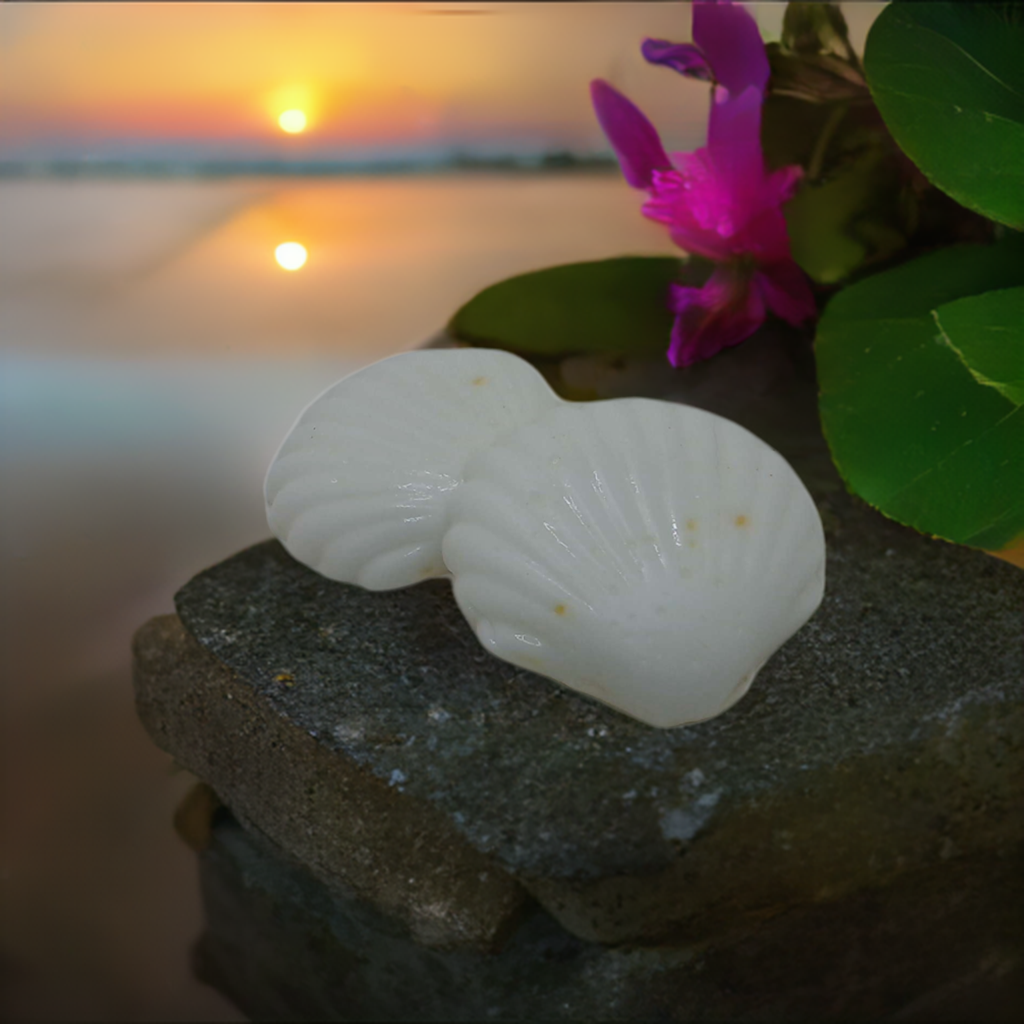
{"x":784,"y":520}
{"x":618,"y":513}
{"x":415,"y":419}
{"x":677,"y":510}
{"x":473,"y":589}
{"x":608,"y":524}
{"x":291,"y":506}
{"x":635,"y":452}
{"x":737,"y":492}
{"x":794,"y":516}
{"x":304,"y":537}
{"x":492,"y":551}
{"x":494,"y":485}
{"x":614,"y":551}
{"x":381,"y":567}
{"x":701,"y":545}
{"x":670,"y":513}
{"x":328,"y":485}
{"x":360,"y":477}
{"x":308,"y":537}
{"x":357,"y":539}
{"x":658,"y":517}
{"x":745,"y":493}
{"x":625,"y":426}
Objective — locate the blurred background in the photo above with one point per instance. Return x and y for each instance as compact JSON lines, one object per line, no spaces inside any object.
{"x":208,"y":214}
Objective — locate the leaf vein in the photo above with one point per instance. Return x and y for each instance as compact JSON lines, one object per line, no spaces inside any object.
{"x":951,"y":453}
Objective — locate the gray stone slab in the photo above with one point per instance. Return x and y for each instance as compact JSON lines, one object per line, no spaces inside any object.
{"x":350,"y":829}
{"x":944,"y":945}
{"x":886,"y":737}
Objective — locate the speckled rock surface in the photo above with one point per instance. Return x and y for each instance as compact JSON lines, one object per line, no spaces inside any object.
{"x":885,"y":738}
{"x":352,"y":830}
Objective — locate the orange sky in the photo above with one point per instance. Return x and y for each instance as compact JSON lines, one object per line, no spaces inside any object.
{"x":376,"y":73}
{"x":364,"y":73}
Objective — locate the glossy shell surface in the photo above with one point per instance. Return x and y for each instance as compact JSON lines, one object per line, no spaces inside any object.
{"x":360,"y":489}
{"x":648,"y":554}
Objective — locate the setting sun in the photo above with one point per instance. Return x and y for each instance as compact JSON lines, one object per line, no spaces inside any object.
{"x":292,"y":121}
{"x":290,"y":255}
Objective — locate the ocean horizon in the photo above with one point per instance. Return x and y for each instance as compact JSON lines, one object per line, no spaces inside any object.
{"x":453,"y":160}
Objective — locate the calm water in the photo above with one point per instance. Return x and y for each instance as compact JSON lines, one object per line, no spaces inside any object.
{"x":143,"y":269}
{"x":154,"y":353}
{"x":152,"y":356}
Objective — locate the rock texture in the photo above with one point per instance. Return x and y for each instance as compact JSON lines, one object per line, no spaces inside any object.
{"x":331,"y":815}
{"x":943,"y":946}
{"x":371,"y":739}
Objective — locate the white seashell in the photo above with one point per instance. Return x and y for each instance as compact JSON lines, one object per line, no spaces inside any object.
{"x":648,"y":554}
{"x":360,"y":488}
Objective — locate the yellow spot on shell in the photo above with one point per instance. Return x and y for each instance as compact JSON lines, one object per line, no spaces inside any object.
{"x":559,"y":609}
{"x":691,"y":524}
{"x":740,"y":520}
{"x":479,"y":380}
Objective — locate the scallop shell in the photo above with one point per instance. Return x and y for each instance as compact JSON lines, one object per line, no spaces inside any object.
{"x":361,"y":486}
{"x":648,"y":554}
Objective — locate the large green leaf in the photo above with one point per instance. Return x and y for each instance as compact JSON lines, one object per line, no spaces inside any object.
{"x":949,"y":80}
{"x":987,"y":333}
{"x":910,"y":429}
{"x":611,"y":306}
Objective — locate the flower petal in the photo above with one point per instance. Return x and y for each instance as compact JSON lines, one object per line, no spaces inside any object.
{"x":764,"y":237}
{"x":734,"y":142}
{"x":786,"y":291}
{"x":685,"y":58}
{"x":634,"y":139}
{"x":731,"y":41}
{"x":692,"y":203}
{"x":726,"y":311}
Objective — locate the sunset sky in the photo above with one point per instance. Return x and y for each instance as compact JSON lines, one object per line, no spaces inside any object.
{"x":127,"y":79}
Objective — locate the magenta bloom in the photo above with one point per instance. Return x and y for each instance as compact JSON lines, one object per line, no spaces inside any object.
{"x":717,"y":202}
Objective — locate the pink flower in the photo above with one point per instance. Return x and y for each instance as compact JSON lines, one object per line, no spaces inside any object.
{"x":717,"y":202}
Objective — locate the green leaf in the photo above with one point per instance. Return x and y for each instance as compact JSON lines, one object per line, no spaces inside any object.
{"x":987,"y":333}
{"x":837,"y":225}
{"x":612,"y":306}
{"x":949,"y":80}
{"x":910,"y":429}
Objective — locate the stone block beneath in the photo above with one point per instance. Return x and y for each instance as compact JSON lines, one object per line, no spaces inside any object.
{"x":943,"y":944}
